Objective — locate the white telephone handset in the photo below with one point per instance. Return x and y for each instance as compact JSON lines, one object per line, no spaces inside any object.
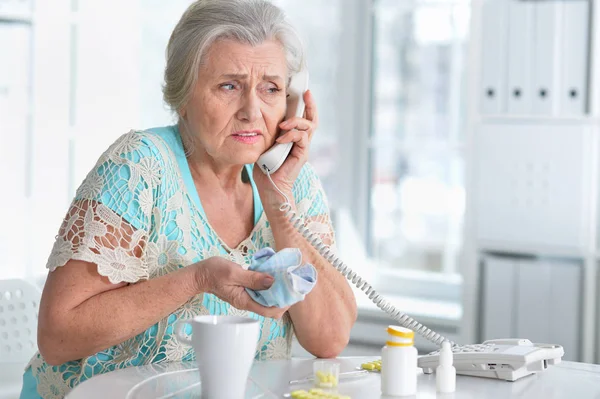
{"x":271,"y":160}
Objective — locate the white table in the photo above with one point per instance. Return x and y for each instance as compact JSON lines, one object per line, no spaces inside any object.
{"x":270,"y":380}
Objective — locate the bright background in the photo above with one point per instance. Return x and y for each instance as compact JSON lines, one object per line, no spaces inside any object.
{"x":399,"y":88}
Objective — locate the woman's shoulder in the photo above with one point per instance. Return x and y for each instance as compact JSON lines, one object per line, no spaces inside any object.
{"x":154,"y":140}
{"x":135,"y":167}
{"x":137,"y":145}
{"x":143,"y":153}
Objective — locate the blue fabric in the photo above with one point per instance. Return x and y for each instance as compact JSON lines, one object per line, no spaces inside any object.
{"x":124,"y":199}
{"x":293,"y":280}
{"x":29,"y":390}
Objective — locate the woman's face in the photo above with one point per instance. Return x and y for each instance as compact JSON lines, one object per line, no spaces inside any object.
{"x":238,"y":101}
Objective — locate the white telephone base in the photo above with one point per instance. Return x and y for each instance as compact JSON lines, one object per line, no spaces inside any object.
{"x":504,"y":359}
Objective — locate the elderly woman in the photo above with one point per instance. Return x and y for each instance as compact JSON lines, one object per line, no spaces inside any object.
{"x":164,"y":226}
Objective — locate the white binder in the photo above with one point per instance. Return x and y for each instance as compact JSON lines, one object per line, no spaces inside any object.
{"x":546,"y":38}
{"x":574,"y":57}
{"x":494,"y":49}
{"x":520,"y":43}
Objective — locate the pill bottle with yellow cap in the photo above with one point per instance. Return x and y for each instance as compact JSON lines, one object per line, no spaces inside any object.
{"x":399,"y":363}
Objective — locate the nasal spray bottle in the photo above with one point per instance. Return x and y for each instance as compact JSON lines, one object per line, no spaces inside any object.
{"x":399,"y":363}
{"x":445,"y":374}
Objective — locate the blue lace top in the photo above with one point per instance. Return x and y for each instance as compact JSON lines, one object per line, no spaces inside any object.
{"x":141,"y":195}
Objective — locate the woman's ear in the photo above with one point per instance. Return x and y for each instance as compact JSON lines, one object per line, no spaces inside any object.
{"x":182,"y":112}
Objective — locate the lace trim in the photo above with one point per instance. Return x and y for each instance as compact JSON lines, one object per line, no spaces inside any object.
{"x":94,"y":233}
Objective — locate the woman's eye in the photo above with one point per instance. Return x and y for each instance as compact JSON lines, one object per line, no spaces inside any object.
{"x":271,"y":89}
{"x":228,"y":86}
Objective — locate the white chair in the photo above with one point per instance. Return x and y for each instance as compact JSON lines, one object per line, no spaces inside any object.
{"x":19,"y":303}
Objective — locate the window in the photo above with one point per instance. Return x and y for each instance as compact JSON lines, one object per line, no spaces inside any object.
{"x":15,"y":46}
{"x":399,"y":64}
{"x":91,"y":84}
{"x":86,"y":82}
{"x":417,"y":193}
{"x":321,"y":34}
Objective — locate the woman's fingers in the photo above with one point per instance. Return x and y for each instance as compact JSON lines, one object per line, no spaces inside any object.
{"x":300,"y":137}
{"x":255,"y":280}
{"x":310,"y":108}
{"x":253,"y":306}
{"x":297,"y":123}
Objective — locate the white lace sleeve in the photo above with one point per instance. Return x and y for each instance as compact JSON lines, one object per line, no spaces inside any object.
{"x":311,"y":204}
{"x":109,"y":220}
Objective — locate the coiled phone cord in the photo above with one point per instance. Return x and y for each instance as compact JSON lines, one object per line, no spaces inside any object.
{"x":402,"y":318}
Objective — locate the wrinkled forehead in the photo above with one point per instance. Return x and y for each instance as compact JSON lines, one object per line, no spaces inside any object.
{"x":229,"y":57}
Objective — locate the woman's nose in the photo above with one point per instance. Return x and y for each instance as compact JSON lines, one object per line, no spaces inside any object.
{"x":249,"y":108}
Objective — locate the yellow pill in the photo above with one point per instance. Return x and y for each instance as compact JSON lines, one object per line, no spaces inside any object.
{"x":298,"y":394}
{"x":367,"y":366}
{"x":315,"y":390}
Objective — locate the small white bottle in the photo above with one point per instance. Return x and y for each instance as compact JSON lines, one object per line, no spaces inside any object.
{"x":445,"y":373}
{"x":399,"y":363}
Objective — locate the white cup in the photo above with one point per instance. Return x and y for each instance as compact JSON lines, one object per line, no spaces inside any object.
{"x":225,"y":348}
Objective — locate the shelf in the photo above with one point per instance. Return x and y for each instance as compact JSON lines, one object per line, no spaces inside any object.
{"x":583,"y":119}
{"x":421,"y":146}
{"x":21,"y":18}
{"x":531,"y":250}
{"x":434,"y":312}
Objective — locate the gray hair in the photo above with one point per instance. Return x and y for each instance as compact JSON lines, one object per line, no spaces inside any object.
{"x":246,"y":21}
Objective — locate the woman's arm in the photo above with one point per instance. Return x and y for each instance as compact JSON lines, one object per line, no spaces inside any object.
{"x":322,"y":321}
{"x":82,"y":313}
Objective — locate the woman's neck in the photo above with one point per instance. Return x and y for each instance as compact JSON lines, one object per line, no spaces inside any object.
{"x":207,"y":172}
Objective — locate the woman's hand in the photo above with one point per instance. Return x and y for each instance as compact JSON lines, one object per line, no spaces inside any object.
{"x":228,"y":281}
{"x":298,"y":131}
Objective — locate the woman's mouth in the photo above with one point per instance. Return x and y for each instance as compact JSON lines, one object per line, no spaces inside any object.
{"x":247,"y":137}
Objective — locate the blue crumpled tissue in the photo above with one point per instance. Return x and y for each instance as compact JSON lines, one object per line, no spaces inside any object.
{"x":292,"y":279}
